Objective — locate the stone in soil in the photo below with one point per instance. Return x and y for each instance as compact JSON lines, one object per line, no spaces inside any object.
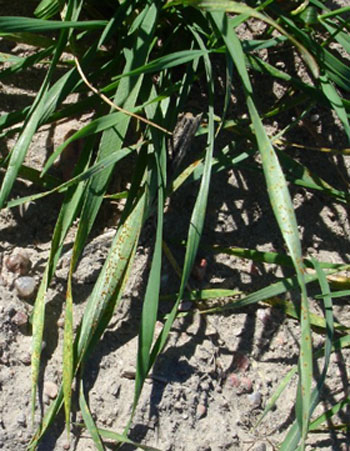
{"x":25,"y":286}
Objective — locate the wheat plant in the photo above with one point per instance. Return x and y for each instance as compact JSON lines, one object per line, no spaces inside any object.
{"x":136,"y":64}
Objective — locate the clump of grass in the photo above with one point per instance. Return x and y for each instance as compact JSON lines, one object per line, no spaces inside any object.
{"x":146,"y":57}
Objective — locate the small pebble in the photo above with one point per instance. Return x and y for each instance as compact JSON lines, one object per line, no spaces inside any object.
{"x":241,"y":362}
{"x":201,"y":411}
{"x":314,"y":118}
{"x":21,"y":420}
{"x":260,"y":447}
{"x":242,"y":384}
{"x":50,"y":389}
{"x":18,"y":262}
{"x":178,"y":405}
{"x":26,"y":358}
{"x":25,"y":286}
{"x":233,"y":380}
{"x":246,"y":385}
{"x":115,"y":390}
{"x":109,"y":421}
{"x":20,"y":319}
{"x":60,"y":323}
{"x":255,"y":399}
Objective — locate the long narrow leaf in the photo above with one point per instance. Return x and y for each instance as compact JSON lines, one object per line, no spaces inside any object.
{"x":284,"y":213}
{"x":293,"y":436}
{"x":336,"y":102}
{"x":127,"y":92}
{"x":12,"y":24}
{"x":68,"y":354}
{"x":198,"y":214}
{"x":88,"y":420}
{"x":150,"y":305}
{"x":19,"y":151}
{"x":107,"y":287}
